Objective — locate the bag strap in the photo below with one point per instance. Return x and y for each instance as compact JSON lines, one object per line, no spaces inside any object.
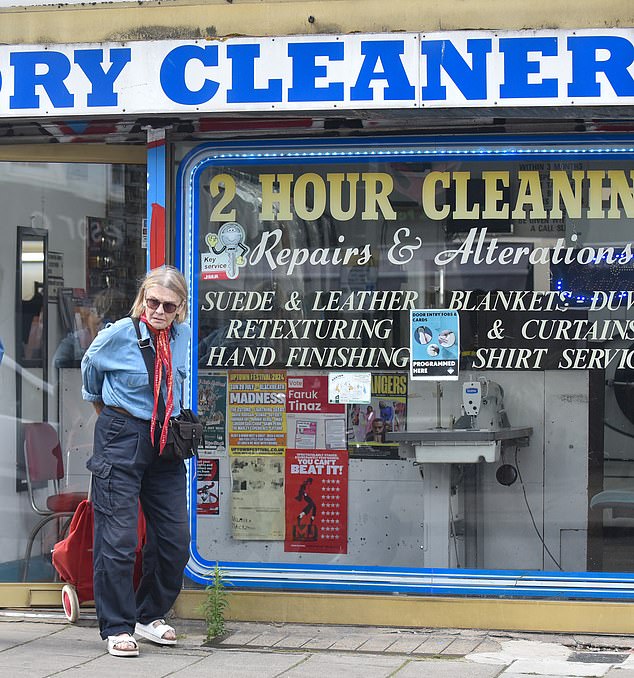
{"x":145,"y":346}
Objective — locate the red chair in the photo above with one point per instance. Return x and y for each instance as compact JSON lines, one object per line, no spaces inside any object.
{"x":45,"y":468}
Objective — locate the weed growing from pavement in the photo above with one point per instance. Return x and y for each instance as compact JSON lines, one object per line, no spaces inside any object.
{"x":215,"y":605}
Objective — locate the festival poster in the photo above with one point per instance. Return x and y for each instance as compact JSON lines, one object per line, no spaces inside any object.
{"x":312,"y":421}
{"x":212,"y":410}
{"x":208,"y":487}
{"x":257,"y":497}
{"x":434,"y":344}
{"x":368,"y":425}
{"x":257,"y":413}
{"x":316,"y":491}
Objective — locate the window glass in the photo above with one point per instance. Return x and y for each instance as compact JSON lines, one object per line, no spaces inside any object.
{"x":508,"y":284}
{"x":71,"y":255}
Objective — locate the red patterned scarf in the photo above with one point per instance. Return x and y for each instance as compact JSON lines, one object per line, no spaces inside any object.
{"x":162,"y":361}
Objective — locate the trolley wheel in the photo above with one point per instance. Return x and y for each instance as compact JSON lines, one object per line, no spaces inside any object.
{"x":70,"y":603}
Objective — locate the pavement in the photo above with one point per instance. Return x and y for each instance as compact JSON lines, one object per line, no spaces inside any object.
{"x":38,"y":644}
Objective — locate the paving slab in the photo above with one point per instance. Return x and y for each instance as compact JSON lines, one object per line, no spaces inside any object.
{"x":462,"y":646}
{"x":61,"y":644}
{"x":16,"y":633}
{"x":146,"y":664}
{"x":406,"y":645}
{"x":36,"y":662}
{"x":348,"y":665}
{"x":348,"y":642}
{"x":267,"y":639}
{"x":434,"y":645}
{"x":488,"y":645}
{"x":377,"y":644}
{"x":293,"y":641}
{"x":510,"y":651}
{"x":240,"y":637}
{"x":530,"y":648}
{"x":441,"y":668}
{"x":555,"y":667}
{"x":238,"y":664}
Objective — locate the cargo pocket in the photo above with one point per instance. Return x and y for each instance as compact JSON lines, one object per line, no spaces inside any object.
{"x":117,"y":424}
{"x":101,"y":490}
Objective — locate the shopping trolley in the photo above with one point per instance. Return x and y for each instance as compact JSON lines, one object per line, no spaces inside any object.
{"x":72,"y":558}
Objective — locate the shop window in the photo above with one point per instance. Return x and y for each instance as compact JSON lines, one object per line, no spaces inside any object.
{"x":308,"y":270}
{"x":71,"y":258}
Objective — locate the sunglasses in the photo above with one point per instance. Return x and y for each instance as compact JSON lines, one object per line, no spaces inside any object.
{"x":168,"y":306}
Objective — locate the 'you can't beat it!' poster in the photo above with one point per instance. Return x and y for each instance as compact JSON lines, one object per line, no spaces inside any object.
{"x":316,"y":491}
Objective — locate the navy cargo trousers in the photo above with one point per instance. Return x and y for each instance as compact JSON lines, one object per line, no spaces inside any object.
{"x":126,"y":469}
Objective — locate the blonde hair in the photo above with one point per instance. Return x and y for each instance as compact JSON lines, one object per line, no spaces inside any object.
{"x":165,"y":276}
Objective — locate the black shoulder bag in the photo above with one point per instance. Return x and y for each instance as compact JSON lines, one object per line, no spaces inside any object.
{"x":185,"y":432}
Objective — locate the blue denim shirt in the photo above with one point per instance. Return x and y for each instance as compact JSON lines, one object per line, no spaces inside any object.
{"x":113,"y":370}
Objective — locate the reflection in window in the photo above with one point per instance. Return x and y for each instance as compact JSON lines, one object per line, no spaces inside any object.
{"x":71,"y":270}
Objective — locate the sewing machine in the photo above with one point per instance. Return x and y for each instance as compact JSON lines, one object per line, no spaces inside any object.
{"x":477,"y":435}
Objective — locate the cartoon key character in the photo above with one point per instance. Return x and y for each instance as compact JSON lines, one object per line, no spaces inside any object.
{"x":230,"y":241}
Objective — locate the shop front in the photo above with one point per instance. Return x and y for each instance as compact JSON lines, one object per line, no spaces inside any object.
{"x":413,"y":344}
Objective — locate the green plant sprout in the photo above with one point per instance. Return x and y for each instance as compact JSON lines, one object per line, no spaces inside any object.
{"x":215,"y":604}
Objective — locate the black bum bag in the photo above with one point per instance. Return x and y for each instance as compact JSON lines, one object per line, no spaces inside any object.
{"x":184,"y":436}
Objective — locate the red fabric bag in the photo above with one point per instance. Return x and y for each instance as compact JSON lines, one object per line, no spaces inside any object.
{"x":72,"y":557}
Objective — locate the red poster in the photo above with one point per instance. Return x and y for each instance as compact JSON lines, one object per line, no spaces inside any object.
{"x":316,"y":494}
{"x":208,"y":487}
{"x":308,"y":395}
{"x":312,"y":422}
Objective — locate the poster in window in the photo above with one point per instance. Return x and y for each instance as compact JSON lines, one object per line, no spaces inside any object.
{"x":349,"y":387}
{"x":212,"y":408}
{"x":208,"y":487}
{"x":306,"y":434}
{"x":312,"y":421}
{"x":257,"y":497}
{"x":336,"y":434}
{"x":368,"y":425}
{"x":316,"y":497}
{"x":55,"y":275}
{"x":55,"y":286}
{"x":434,"y":344}
{"x":257,"y":412}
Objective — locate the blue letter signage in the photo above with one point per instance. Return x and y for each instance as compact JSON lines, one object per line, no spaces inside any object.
{"x":458,"y":69}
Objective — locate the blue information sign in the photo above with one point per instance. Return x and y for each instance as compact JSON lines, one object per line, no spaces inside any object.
{"x":434,"y":344}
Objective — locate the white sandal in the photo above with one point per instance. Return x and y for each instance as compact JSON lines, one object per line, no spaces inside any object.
{"x":155,"y":631}
{"x":114,"y":641}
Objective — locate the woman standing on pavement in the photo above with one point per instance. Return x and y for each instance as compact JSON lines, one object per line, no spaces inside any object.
{"x":127,"y":466}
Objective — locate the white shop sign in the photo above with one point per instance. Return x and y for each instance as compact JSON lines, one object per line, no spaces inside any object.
{"x":320,"y":73}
